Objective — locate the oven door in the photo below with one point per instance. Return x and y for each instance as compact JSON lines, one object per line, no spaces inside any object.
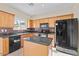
{"x":15,"y":43}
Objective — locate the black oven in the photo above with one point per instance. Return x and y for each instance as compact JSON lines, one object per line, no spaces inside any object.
{"x":14,"y":43}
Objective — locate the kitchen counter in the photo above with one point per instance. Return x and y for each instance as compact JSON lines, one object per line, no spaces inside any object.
{"x":39,"y":40}
{"x":13,"y":34}
{"x":18,"y":34}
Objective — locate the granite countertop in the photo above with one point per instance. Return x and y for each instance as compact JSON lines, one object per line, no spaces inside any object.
{"x":19,"y":34}
{"x":13,"y":34}
{"x":39,"y":40}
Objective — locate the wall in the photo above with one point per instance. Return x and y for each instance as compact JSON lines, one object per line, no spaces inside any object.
{"x":76,"y":10}
{"x":18,"y":14}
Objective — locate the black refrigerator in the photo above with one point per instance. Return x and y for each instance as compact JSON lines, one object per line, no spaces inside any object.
{"x":67,"y":36}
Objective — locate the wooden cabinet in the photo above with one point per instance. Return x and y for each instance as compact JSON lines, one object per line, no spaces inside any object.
{"x":4,"y":46}
{"x":68,"y":16}
{"x":6,"y":20}
{"x":30,"y":23}
{"x":1,"y":46}
{"x":52,"y":21}
{"x":34,"y":49}
{"x":1,"y":19}
{"x":25,"y":36}
{"x":10,"y":22}
{"x":43,"y":20}
{"x":36,"y":23}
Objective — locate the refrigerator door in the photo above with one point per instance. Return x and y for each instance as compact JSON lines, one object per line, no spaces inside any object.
{"x":72,"y":33}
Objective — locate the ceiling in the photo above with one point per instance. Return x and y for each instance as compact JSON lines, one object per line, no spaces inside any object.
{"x":37,"y":9}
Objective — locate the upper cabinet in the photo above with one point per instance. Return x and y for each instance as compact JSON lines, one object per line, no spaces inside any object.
{"x":52,"y":21}
{"x":6,"y":20}
{"x":68,"y":16}
{"x":35,"y":24}
{"x":44,"y":20}
{"x":30,"y":23}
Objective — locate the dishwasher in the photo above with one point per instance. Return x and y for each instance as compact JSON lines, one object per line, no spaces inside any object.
{"x":14,"y":43}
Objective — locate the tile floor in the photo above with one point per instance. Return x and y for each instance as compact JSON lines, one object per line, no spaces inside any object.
{"x":16,"y":53}
{"x":52,"y":52}
{"x":57,"y":53}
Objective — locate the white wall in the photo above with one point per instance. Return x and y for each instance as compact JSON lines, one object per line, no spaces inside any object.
{"x":76,"y":10}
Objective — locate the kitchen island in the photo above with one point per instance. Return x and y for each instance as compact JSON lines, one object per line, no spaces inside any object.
{"x":36,"y":46}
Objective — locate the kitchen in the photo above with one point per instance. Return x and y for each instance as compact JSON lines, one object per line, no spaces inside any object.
{"x":38,"y":29}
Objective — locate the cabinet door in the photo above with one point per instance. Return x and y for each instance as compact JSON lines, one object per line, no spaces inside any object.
{"x":26,"y":35}
{"x":30,"y":23}
{"x":45,"y":20}
{"x":41,"y":20}
{"x":36,"y":23}
{"x":52,"y":21}
{"x":5,"y":46}
{"x":1,"y":19}
{"x":69,"y":16}
{"x":6,"y":19}
{"x":1,"y":46}
{"x":10,"y":21}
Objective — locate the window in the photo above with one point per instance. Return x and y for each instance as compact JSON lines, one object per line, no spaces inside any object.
{"x":19,"y":24}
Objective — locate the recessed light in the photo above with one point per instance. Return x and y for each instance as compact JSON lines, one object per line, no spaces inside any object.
{"x":43,"y":5}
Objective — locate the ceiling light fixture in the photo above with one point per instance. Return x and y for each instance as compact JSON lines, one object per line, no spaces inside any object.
{"x":43,"y":5}
{"x":31,"y":4}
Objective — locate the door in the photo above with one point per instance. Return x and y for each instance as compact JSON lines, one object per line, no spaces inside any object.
{"x":61,"y":33}
{"x":73,"y":33}
{"x":5,"y":46}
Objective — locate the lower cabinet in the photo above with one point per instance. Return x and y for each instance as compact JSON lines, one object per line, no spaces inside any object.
{"x":34,"y":49}
{"x":25,"y":36}
{"x":1,"y":46}
{"x":4,"y":46}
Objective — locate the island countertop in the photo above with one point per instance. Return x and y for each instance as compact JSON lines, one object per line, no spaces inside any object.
{"x":39,"y":40}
